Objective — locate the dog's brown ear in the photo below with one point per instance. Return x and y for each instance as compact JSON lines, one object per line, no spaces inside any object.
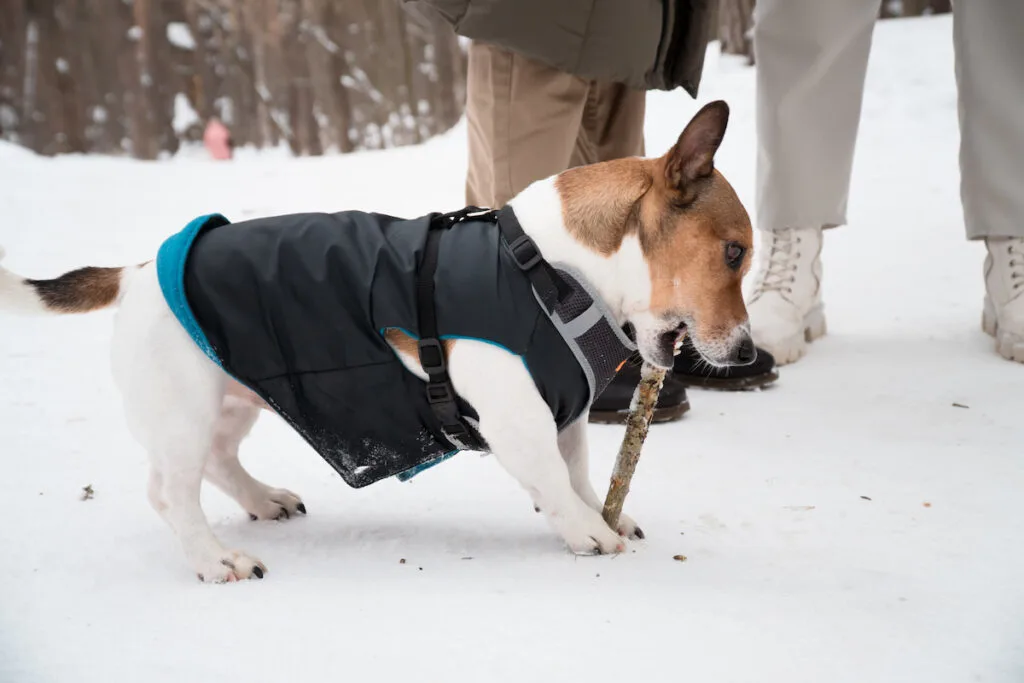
{"x":693,"y":155}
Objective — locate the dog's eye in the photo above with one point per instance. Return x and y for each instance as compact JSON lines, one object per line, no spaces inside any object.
{"x":734,"y":255}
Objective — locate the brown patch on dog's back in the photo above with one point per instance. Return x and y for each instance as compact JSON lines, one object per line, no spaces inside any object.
{"x":404,"y":344}
{"x":79,"y":291}
{"x":599,"y":202}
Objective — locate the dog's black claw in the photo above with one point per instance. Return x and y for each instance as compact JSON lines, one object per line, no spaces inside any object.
{"x":257,"y":572}
{"x":536,"y":509}
{"x":200,"y":577}
{"x":301,"y":507}
{"x":639,"y":533}
{"x":253,"y":517}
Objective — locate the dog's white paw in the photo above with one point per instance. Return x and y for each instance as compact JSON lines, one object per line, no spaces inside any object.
{"x":587,"y":534}
{"x":233,"y":566}
{"x":274,"y":504}
{"x":628,"y":528}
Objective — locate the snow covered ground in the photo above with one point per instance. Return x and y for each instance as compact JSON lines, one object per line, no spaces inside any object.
{"x":850,"y":524}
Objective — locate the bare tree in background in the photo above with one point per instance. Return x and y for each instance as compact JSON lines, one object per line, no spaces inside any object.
{"x":141,"y":76}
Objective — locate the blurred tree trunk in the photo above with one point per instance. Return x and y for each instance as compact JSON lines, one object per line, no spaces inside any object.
{"x":13,"y":33}
{"x":323,"y":31}
{"x":144,"y":127}
{"x":450,"y":75}
{"x":141,"y":76}
{"x":410,"y":102}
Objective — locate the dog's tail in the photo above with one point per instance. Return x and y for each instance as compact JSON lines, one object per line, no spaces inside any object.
{"x":78,"y":291}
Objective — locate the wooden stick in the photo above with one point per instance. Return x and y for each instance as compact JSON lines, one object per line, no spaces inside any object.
{"x":641,"y":410}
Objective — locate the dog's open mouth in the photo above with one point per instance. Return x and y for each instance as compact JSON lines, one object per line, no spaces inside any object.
{"x":672,"y":340}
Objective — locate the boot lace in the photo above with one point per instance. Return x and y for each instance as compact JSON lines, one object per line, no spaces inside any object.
{"x":780,"y":264}
{"x":1015,"y":249}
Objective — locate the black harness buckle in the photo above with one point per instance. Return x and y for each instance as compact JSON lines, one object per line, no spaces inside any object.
{"x":441,"y":397}
{"x":432,"y":358}
{"x":525,"y":252}
{"x":441,"y":393}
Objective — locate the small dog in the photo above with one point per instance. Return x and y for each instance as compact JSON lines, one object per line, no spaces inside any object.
{"x":664,"y":243}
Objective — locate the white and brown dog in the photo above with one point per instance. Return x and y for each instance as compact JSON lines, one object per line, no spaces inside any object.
{"x":665,"y":241}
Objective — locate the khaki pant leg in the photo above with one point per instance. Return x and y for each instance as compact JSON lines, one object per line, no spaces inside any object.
{"x":524,"y":118}
{"x":613,"y":125}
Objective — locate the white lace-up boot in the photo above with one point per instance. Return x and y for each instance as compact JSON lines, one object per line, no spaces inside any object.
{"x":785,"y":305}
{"x":1003,"y":316}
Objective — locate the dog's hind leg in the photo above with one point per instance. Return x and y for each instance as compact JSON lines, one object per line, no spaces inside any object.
{"x":223,"y":469}
{"x":172,"y":397}
{"x":176,"y":424}
{"x":572,"y":442}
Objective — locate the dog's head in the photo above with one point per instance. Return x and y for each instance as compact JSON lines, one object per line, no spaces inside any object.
{"x":697,"y":241}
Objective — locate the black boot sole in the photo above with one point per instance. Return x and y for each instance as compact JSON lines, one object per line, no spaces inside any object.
{"x":618,"y":417}
{"x":728,"y":383}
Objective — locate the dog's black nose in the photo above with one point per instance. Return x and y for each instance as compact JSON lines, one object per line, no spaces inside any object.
{"x":745,"y":352}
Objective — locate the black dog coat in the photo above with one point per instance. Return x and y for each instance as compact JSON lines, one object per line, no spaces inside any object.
{"x":295,"y":308}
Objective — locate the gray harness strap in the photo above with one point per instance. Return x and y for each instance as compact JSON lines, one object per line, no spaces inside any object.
{"x":591,"y":332}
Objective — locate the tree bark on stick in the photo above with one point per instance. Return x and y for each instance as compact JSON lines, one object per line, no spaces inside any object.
{"x":645,"y":397}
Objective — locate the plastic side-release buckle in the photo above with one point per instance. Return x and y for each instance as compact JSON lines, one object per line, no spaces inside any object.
{"x":525,"y":252}
{"x":432,"y":357}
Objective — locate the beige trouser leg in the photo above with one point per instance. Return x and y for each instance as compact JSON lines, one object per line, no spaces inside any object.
{"x":612,"y":125}
{"x":528,"y":121}
{"x":812,"y":57}
{"x":989,"y":39}
{"x":811,"y":61}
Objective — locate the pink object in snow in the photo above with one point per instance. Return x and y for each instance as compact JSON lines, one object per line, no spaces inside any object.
{"x":217,"y":140}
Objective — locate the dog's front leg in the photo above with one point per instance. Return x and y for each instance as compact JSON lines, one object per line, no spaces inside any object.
{"x":572,"y":442}
{"x":518,"y":427}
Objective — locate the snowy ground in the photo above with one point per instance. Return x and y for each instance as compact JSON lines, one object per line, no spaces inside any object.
{"x":850,"y":524}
